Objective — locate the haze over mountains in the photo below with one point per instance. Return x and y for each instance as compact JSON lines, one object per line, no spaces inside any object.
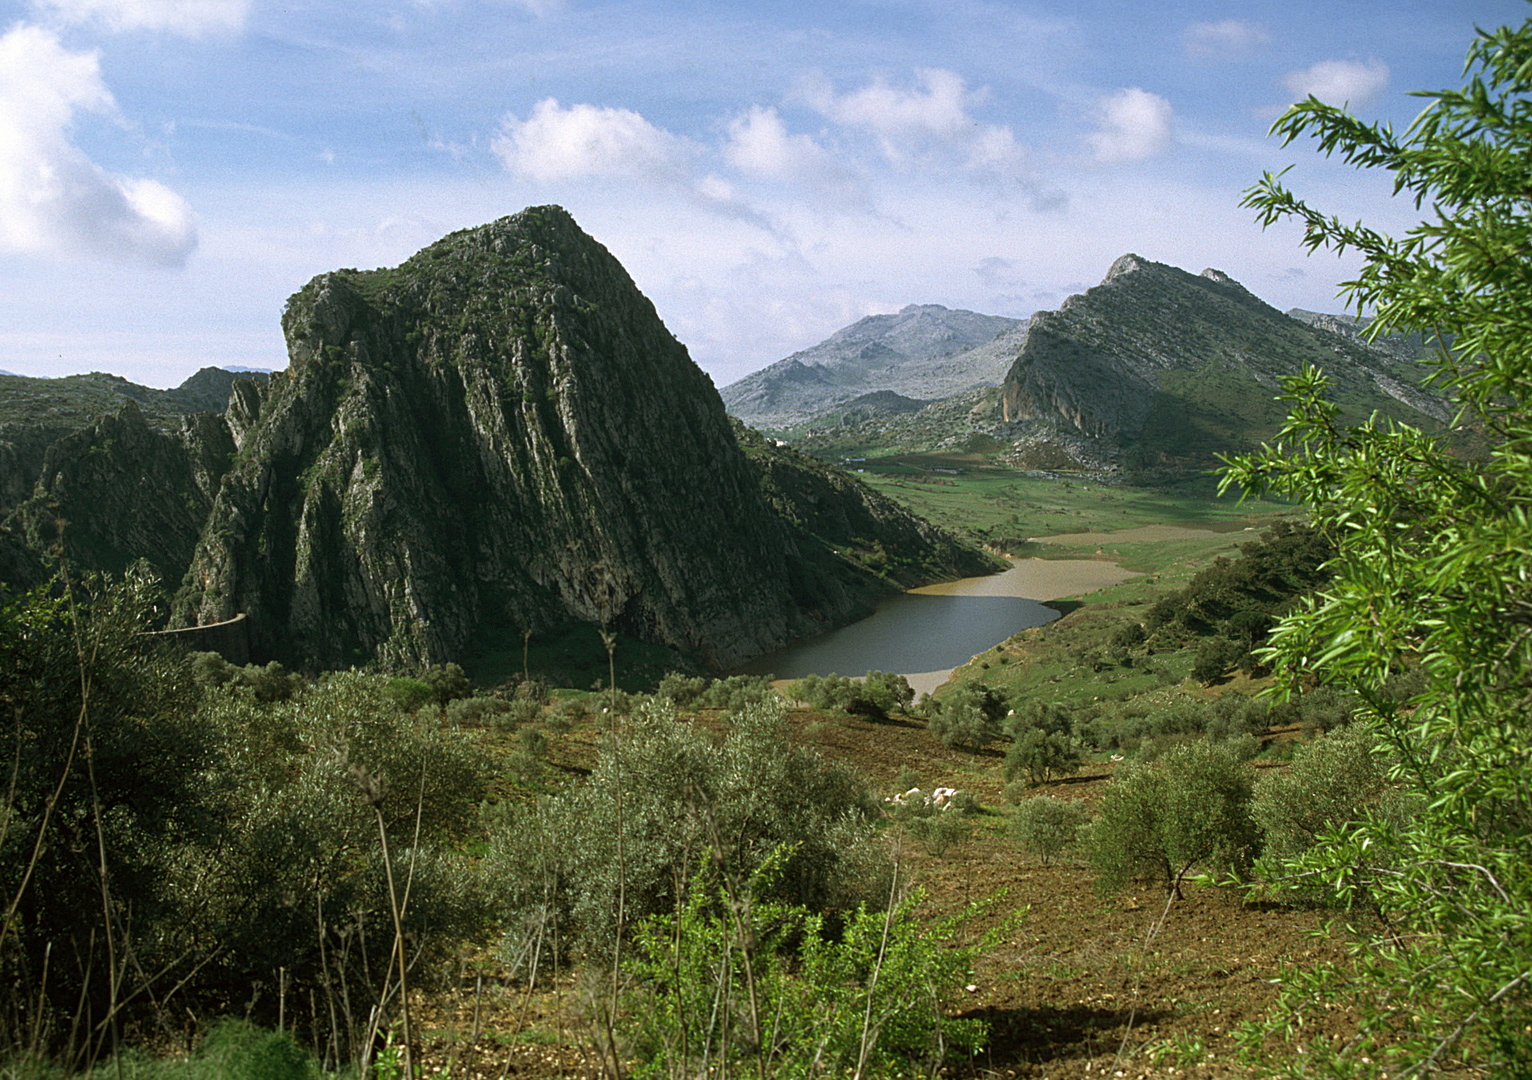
{"x":882,"y":364}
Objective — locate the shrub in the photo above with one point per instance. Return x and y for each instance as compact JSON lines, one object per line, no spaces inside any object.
{"x":1045,"y":827}
{"x":1216,"y":655}
{"x":969,"y":717}
{"x":409,"y":693}
{"x":732,"y":978}
{"x":477,"y":711}
{"x":448,"y":683}
{"x":664,"y":797}
{"x":681,"y":689}
{"x":1042,"y":756}
{"x":1160,"y":820}
{"x":1332,"y":782}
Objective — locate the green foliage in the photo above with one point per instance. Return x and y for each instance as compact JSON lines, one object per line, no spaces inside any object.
{"x":1046,"y":827}
{"x":1332,"y":782}
{"x":874,"y":696}
{"x":1043,"y":744}
{"x":409,"y":693}
{"x":1160,"y":820}
{"x":1239,"y":600}
{"x":448,"y":683}
{"x":1043,"y":756}
{"x":665,"y":797}
{"x":270,"y":683}
{"x":970,"y":717}
{"x":1215,"y":656}
{"x":1432,"y":567}
{"x":732,"y":978}
{"x":103,"y":750}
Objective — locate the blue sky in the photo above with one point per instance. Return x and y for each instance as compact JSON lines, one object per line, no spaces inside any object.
{"x":172,"y":170}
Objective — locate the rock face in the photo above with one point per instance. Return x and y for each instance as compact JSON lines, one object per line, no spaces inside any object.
{"x":923,"y":352}
{"x":36,"y":413}
{"x":1172,"y":368}
{"x":126,"y":490}
{"x":500,"y":435}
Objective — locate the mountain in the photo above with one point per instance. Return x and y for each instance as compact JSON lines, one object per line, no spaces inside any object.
{"x":922,"y":353}
{"x":499,"y":436}
{"x":1157,"y":368}
{"x":36,"y":413}
{"x":122,"y":489}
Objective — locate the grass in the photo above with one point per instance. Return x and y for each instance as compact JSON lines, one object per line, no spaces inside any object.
{"x":982,"y":497}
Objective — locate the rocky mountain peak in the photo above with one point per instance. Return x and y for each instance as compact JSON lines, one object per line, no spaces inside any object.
{"x":498,"y":435}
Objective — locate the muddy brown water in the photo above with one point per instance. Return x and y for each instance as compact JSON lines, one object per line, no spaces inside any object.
{"x":925,"y":633}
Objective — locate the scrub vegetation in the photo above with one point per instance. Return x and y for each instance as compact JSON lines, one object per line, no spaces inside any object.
{"x":1259,"y":811}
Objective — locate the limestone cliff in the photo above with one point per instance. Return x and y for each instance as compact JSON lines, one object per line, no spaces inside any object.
{"x":500,"y":435}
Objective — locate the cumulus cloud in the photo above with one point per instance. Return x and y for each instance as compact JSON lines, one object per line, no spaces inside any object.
{"x":1132,"y":124}
{"x":556,"y":143}
{"x":53,"y":198}
{"x":1340,"y":82}
{"x":930,"y":119}
{"x":191,"y":18}
{"x":759,"y":143}
{"x":1226,"y":37}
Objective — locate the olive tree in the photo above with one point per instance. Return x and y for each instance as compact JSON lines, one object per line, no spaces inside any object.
{"x":1433,"y":570}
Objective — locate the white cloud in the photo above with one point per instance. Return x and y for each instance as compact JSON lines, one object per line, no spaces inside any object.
{"x":556,"y":143}
{"x":1227,"y":37}
{"x":191,"y":18}
{"x":759,"y":143}
{"x":1340,"y":82}
{"x":931,"y":119}
{"x":54,"y":199}
{"x":1132,"y":124}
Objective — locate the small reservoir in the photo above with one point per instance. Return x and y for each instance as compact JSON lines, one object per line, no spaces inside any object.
{"x":925,"y":633}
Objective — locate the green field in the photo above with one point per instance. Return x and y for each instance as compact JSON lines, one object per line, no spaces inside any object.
{"x":989,"y":501}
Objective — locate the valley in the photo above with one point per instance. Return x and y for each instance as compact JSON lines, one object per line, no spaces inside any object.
{"x":497,"y":541}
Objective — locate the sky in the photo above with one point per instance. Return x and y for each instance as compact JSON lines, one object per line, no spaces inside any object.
{"x":768,"y":172}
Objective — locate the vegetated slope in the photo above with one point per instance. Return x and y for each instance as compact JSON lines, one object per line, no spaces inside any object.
{"x":122,"y":489}
{"x":922,"y":353}
{"x":1158,"y":368}
{"x":500,"y":435}
{"x":36,"y":413}
{"x":841,"y":512}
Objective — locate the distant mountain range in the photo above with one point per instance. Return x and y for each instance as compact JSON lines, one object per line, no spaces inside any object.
{"x":1153,"y":370}
{"x":880,"y":365}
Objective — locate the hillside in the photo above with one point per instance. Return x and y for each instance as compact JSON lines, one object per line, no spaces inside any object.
{"x":1159,"y":369}
{"x":920,"y":354}
{"x":35,"y":413}
{"x":500,"y":436}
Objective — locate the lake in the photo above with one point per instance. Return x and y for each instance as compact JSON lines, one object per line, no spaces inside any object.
{"x":925,"y":633}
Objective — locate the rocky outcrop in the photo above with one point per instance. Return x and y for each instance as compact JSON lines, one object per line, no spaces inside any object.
{"x":500,"y":435}
{"x":122,"y":489}
{"x":1162,"y":368}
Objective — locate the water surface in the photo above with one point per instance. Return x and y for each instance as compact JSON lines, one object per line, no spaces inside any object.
{"x":925,"y":633}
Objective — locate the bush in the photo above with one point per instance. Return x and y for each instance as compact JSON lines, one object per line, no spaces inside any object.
{"x":1216,"y":655}
{"x":448,"y":683}
{"x":664,"y":797}
{"x":1332,"y":782}
{"x":477,"y":712}
{"x":1046,"y":827}
{"x":732,"y":978}
{"x":1161,"y":820}
{"x":1042,"y":756}
{"x":970,"y":717}
{"x":409,"y":693}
